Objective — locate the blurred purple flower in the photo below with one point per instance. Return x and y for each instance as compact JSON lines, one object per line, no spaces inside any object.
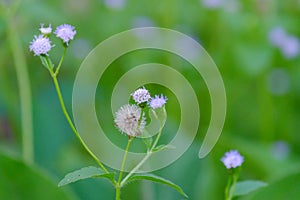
{"x":289,"y":45}
{"x":40,"y":45}
{"x":232,"y":159}
{"x":278,"y":81}
{"x":212,"y":3}
{"x":65,"y":32}
{"x":141,"y":21}
{"x":277,"y":36}
{"x":115,"y":4}
{"x":280,"y":150}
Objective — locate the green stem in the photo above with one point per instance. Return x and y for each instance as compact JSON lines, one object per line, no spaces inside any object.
{"x":137,"y":167}
{"x":124,"y":159}
{"x":232,"y":188}
{"x":24,"y":89}
{"x":118,"y":192}
{"x":60,"y":62}
{"x":69,"y":119}
{"x":118,"y":186}
{"x":227,"y":189}
{"x":149,"y":153}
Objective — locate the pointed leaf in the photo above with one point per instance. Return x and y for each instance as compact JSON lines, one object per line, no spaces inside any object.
{"x":161,"y":115}
{"x":147,"y":139}
{"x":245,"y":187}
{"x":45,"y":61}
{"x":84,"y":173}
{"x":157,"y":179}
{"x":162,"y":147}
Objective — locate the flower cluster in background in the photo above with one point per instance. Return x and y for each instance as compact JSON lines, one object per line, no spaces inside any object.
{"x":288,"y":44}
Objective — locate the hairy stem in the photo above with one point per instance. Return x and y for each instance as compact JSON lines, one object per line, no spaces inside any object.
{"x":61,"y":101}
{"x":118,"y":186}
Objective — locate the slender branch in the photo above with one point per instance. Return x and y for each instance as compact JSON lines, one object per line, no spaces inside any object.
{"x":69,"y":119}
{"x":60,"y":62}
{"x":149,"y":153}
{"x":137,"y":167}
{"x":227,"y":189}
{"x":118,"y":185}
{"x":24,"y":89}
{"x":124,"y":159}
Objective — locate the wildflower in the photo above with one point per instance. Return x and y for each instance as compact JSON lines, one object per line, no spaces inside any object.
{"x":40,"y":45}
{"x":158,"y":101}
{"x":128,"y":120}
{"x":232,"y":159}
{"x":141,"y":95}
{"x":44,"y":30}
{"x":65,"y":32}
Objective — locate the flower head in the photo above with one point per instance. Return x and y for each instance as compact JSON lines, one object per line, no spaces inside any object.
{"x":65,"y":32}
{"x":128,"y":120}
{"x":40,"y":45}
{"x":232,"y":159}
{"x":44,"y":30}
{"x":158,"y":101}
{"x":141,"y":95}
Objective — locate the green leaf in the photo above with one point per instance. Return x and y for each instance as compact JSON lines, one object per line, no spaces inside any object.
{"x":157,"y":179}
{"x":84,"y":173}
{"x":21,"y":181}
{"x":285,"y":188}
{"x":147,"y":139}
{"x":245,"y":187}
{"x":161,"y":115}
{"x":45,"y":61}
{"x":162,"y":147}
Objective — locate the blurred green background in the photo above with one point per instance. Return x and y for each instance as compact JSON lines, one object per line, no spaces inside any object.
{"x":260,"y":67}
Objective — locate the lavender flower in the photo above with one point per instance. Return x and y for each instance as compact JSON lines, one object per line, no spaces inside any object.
{"x":128,"y":120}
{"x":40,"y":45}
{"x":44,"y":30}
{"x":232,"y":159}
{"x":141,"y":95}
{"x":158,"y":101}
{"x":65,"y":32}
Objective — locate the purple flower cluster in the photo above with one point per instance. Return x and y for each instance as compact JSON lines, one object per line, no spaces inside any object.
{"x":41,"y":44}
{"x":289,"y":45}
{"x":158,"y":101}
{"x":232,"y":159}
{"x":65,"y":32}
{"x":142,"y":95}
